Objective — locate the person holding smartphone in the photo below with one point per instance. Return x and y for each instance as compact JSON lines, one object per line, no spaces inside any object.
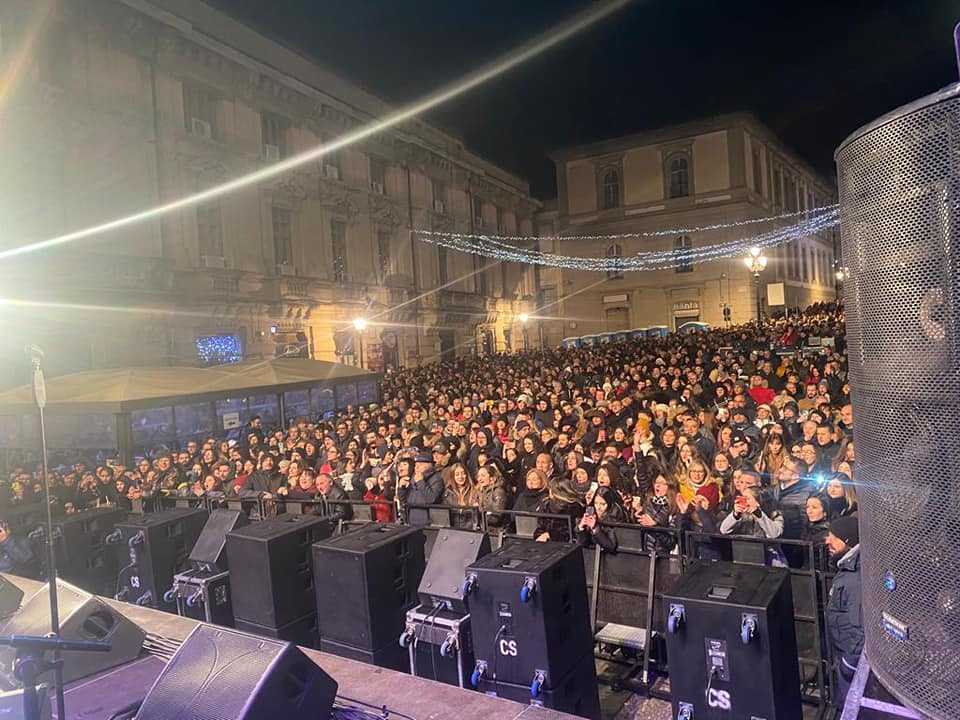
{"x":750,"y":518}
{"x":593,"y":527}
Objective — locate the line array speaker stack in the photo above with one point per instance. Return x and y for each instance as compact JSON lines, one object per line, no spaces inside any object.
{"x":82,"y":617}
{"x":731,"y":643}
{"x":437,"y":634}
{"x":202,"y":592}
{"x":82,"y":554}
{"x":530,"y":620}
{"x":899,"y":183}
{"x":366,"y":582}
{"x":152,"y":549}
{"x":219,"y":673}
{"x":271,"y":578}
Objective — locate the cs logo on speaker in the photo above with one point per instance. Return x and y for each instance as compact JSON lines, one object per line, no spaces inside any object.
{"x":719,"y":699}
{"x":508,"y":648}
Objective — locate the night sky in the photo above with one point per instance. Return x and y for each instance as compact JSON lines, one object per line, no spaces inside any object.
{"x":813,"y":71}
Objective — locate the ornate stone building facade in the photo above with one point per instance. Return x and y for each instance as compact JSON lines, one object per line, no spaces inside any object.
{"x":726,"y":169}
{"x":109,"y":107}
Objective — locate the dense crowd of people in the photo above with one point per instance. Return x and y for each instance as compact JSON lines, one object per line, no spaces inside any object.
{"x":743,"y":431}
{"x":733,"y":431}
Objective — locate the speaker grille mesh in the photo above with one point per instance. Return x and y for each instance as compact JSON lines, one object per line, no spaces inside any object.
{"x":898,"y":196}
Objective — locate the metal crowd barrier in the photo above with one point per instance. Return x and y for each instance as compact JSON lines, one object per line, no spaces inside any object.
{"x":626,"y":586}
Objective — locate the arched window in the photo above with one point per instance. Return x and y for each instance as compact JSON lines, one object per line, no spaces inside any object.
{"x":678,"y":171}
{"x":615,"y":251}
{"x":611,"y":188}
{"x":683,"y":243}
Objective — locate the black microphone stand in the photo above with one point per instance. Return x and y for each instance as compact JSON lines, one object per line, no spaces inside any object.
{"x":30,"y":664}
{"x":40,"y":396}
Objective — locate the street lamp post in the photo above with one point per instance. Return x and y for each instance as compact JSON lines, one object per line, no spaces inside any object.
{"x":360,"y":324}
{"x":756,"y":263}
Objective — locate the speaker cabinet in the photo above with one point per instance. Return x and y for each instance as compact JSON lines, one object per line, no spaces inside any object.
{"x":530,"y":612}
{"x":210,"y":550}
{"x":271,"y":579}
{"x":366,"y":582}
{"x":152,"y":549}
{"x":731,"y":643}
{"x":10,"y":597}
{"x":80,"y":543}
{"x":452,"y":552}
{"x":219,"y":673}
{"x":82,"y":617}
{"x":899,"y":183}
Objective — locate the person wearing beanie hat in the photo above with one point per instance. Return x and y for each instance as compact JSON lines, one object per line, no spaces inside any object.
{"x":844,"y":613}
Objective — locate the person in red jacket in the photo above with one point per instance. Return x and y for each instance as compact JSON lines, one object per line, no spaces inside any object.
{"x":380,"y":495}
{"x":761,"y":394}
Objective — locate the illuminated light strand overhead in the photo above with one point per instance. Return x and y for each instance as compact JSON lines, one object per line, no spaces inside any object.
{"x":490,"y":247}
{"x":504,"y":63}
{"x":810,"y":214}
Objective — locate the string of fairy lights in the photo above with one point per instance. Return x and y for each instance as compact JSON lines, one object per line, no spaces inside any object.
{"x":525,"y":249}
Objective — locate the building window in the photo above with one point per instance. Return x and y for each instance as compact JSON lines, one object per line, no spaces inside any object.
{"x":439,"y":196}
{"x":477,"y":212}
{"x":790,"y":190}
{"x":778,"y":187}
{"x":757,"y":170}
{"x":680,"y":244}
{"x":678,"y":177}
{"x":615,"y":251}
{"x":330,"y":164}
{"x":282,"y":236}
{"x":200,"y":111}
{"x":338,"y":241}
{"x":500,"y":220}
{"x":480,"y":275}
{"x":378,"y":176}
{"x":442,"y":264}
{"x":273,"y":133}
{"x":210,"y":230}
{"x":383,"y":252}
{"x":611,"y":188}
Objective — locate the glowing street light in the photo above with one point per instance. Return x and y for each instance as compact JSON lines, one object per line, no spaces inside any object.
{"x":523,"y":317}
{"x":756,"y":263}
{"x":360,"y":324}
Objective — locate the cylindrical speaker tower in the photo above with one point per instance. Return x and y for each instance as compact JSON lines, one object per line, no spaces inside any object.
{"x":899,"y":181}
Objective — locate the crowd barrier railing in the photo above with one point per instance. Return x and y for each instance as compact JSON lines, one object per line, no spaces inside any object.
{"x":626,"y":586}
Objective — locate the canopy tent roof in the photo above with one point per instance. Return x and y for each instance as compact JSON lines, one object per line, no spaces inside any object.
{"x":122,"y":389}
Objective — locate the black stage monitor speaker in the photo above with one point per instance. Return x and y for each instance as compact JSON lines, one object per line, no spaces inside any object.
{"x":82,"y":617}
{"x":366,"y":582}
{"x":271,"y":579}
{"x":10,"y":597}
{"x":443,"y":580}
{"x":220,"y":674}
{"x":152,"y":549}
{"x":731,"y":643}
{"x":209,"y":552}
{"x":530,"y":613}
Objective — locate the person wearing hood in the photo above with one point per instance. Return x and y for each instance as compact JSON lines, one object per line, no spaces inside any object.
{"x":844,"y":613}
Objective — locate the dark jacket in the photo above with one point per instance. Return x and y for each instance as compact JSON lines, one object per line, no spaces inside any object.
{"x":844,"y":620}
{"x":338,"y":511}
{"x":792,"y":501}
{"x":424,"y":492}
{"x":15,"y":554}
{"x":262,"y":481}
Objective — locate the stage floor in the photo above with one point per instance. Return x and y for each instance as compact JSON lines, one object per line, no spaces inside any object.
{"x":99,"y":696}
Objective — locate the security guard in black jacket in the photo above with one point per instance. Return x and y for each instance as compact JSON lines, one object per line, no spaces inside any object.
{"x":844,"y":613}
